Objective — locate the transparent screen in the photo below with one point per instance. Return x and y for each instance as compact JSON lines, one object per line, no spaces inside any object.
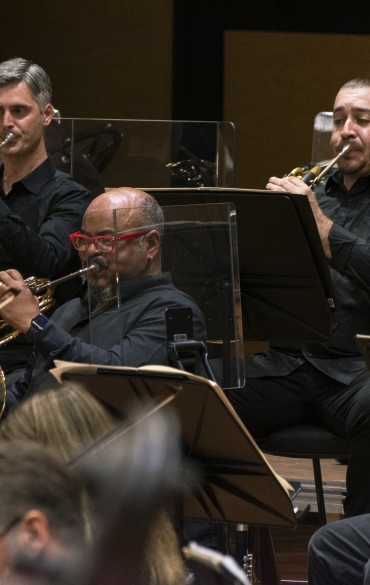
{"x":200,"y":252}
{"x":146,"y":268}
{"x":322,"y":152}
{"x":103,"y":154}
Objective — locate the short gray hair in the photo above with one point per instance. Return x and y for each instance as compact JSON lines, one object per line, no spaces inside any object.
{"x":151,"y":214}
{"x":18,"y":70}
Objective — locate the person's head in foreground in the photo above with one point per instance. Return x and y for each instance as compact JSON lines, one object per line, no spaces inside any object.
{"x":68,"y":419}
{"x":41,"y":511}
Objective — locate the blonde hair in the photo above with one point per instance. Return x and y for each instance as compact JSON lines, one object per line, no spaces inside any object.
{"x":68,"y":419}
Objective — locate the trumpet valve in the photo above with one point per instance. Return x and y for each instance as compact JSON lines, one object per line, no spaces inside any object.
{"x":316,"y":170}
{"x":297,"y":172}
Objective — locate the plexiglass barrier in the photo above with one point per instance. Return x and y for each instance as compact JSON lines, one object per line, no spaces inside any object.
{"x":191,"y":262}
{"x":201,"y":253}
{"x":322,"y":152}
{"x":102,"y":153}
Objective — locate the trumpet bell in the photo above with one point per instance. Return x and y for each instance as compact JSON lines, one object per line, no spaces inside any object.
{"x":36,"y":285}
{"x":46,"y":301}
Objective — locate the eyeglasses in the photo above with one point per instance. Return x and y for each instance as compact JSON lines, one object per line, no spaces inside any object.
{"x":102,"y":243}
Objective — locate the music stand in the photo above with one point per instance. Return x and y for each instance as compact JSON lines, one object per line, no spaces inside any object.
{"x":286,"y":289}
{"x":237,"y":484}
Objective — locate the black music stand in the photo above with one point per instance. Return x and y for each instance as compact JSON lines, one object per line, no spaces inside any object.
{"x":286,"y":289}
{"x":237,"y":484}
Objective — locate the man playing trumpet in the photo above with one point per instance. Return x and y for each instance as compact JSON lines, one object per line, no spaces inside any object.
{"x":328,"y":383}
{"x":131,"y":252}
{"x":39,"y":206}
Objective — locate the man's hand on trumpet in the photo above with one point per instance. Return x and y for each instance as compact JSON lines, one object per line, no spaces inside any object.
{"x":289,"y":185}
{"x":295,"y":185}
{"x":24,"y":306}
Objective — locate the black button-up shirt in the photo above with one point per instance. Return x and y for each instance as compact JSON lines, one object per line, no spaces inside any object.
{"x":70,"y":335}
{"x":349,"y":266}
{"x":36,"y":218}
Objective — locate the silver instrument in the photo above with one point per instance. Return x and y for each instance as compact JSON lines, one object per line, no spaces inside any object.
{"x":7,"y":139}
{"x":39,"y":285}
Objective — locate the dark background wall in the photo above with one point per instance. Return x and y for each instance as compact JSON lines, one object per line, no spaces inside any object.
{"x":110,"y":58}
{"x":275,"y":85}
{"x":269,"y":66}
{"x":199,"y":60}
{"x":199,"y":27}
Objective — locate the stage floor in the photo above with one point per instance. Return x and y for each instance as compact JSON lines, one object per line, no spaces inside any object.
{"x":291,"y":545}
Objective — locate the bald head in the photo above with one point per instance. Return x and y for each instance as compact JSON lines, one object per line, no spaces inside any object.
{"x":118,"y":198}
{"x":142,"y":208}
{"x":135,"y":219}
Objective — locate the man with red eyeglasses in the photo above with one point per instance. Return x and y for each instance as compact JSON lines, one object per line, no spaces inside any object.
{"x":134,"y":256}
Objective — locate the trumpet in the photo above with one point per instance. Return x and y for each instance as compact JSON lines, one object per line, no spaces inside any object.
{"x":7,"y":138}
{"x":313,"y":177}
{"x":46,"y":300}
{"x":38,"y":284}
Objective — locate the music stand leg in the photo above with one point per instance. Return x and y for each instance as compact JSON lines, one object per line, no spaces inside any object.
{"x":241,"y":545}
{"x":264,"y":568}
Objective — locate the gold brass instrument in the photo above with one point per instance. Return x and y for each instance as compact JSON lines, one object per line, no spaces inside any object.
{"x":3,"y":391}
{"x":7,"y":138}
{"x":313,"y":177}
{"x":38,"y":284}
{"x":2,"y":375}
{"x":46,"y":300}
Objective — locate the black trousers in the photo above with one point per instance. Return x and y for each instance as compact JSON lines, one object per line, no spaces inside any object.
{"x":339,"y":553}
{"x":307,"y":396}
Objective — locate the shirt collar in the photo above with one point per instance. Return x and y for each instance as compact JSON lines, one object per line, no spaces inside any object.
{"x":135,"y":285}
{"x":37,"y":178}
{"x":337,"y":179}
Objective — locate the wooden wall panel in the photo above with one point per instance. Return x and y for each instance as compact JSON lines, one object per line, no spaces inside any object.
{"x":274,"y":85}
{"x":105,"y":59}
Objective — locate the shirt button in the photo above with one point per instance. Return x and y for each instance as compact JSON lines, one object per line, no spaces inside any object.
{"x":349,"y":200}
{"x":309,"y":354}
{"x":77,"y":329}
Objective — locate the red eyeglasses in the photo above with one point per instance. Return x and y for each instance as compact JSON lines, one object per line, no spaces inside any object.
{"x":102,"y":243}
